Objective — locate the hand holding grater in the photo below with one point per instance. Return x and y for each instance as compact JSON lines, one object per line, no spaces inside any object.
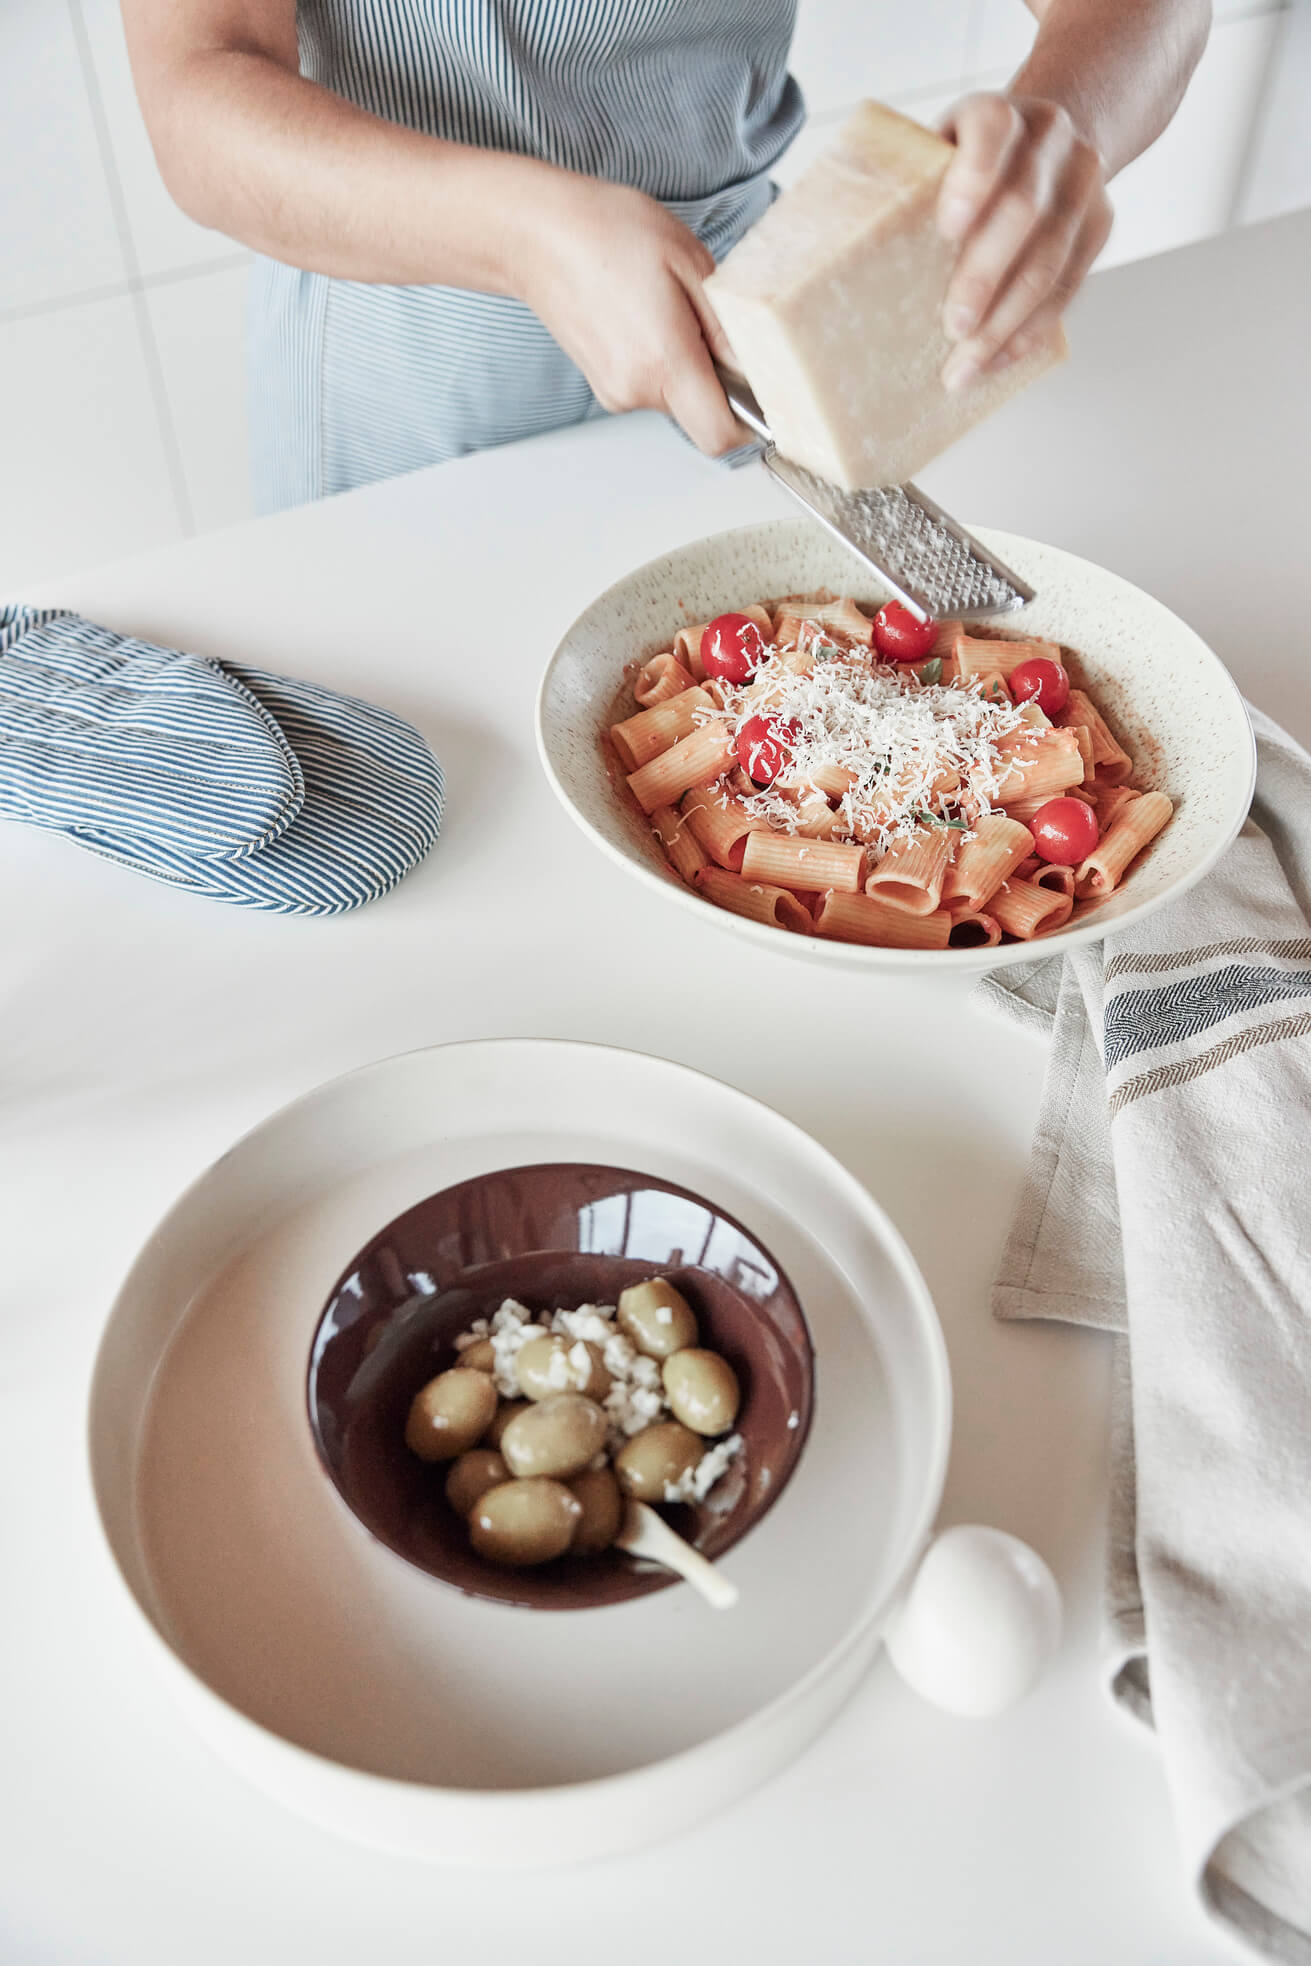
{"x":933,"y":566}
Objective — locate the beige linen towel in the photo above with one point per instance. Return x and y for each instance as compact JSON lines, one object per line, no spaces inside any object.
{"x":1169,"y":1201}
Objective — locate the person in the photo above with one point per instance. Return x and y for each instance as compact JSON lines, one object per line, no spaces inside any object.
{"x":480,"y":219}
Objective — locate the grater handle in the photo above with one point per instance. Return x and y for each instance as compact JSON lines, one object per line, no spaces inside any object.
{"x":743,"y":403}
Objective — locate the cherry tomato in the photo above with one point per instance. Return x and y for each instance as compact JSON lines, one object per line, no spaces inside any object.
{"x":731,"y":647}
{"x":1044,"y":680}
{"x":1064,"y":831}
{"x":898,"y":637}
{"x":762,"y":748}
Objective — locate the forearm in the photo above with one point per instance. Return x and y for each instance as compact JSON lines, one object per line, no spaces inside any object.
{"x":1119,"y":67}
{"x":246,"y":144}
{"x":289,"y":168}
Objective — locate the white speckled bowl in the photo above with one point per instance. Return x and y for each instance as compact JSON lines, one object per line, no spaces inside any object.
{"x":1170,"y":698}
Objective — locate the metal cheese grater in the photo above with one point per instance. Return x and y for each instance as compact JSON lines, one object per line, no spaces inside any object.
{"x":929,"y":561}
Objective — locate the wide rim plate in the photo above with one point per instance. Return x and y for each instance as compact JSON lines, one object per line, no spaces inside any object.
{"x":211,"y":1222}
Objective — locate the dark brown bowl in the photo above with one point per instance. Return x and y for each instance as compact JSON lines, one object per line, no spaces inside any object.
{"x":554,"y":1237}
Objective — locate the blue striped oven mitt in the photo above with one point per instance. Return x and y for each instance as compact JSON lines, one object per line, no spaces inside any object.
{"x":224,"y":781}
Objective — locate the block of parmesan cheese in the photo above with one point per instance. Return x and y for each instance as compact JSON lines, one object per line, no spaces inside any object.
{"x":833,"y":304}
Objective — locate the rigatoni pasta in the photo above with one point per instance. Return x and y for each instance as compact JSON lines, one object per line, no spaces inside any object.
{"x":1024,"y":910}
{"x":864,"y":918}
{"x":995,"y":848}
{"x":697,"y":759}
{"x":971,"y":928}
{"x":686,"y":854}
{"x":910,"y":873}
{"x":1133,"y":826}
{"x":807,"y":865}
{"x":660,"y":678}
{"x":754,"y":899}
{"x":977,"y":657}
{"x":1111,"y":761}
{"x":1039,"y":764}
{"x":720,"y":825}
{"x":643,"y":737}
{"x":796,"y":777}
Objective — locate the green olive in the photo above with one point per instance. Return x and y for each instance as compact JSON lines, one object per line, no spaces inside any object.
{"x":603,"y":1510}
{"x":477,"y":1470}
{"x":658,"y":1454}
{"x":509,"y":1409}
{"x":525,"y":1521}
{"x":557,"y":1436}
{"x":702,"y":1389}
{"x":449,"y":1414}
{"x":561,"y":1365}
{"x":656,"y":1317}
{"x":478,"y":1357}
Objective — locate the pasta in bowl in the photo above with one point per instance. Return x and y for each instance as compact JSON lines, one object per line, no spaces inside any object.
{"x":742,"y":726}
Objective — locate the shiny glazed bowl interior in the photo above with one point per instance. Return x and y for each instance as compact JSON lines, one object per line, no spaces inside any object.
{"x":552,"y":1236}
{"x":1169,"y":697}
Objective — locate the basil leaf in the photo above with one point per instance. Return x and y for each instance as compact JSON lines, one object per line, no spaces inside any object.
{"x":931,"y":672}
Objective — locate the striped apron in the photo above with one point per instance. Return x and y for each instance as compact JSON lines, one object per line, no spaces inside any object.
{"x":687,"y":100}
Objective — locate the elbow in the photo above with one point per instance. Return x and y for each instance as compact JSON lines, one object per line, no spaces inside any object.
{"x":186,"y":106}
{"x":177,"y":140}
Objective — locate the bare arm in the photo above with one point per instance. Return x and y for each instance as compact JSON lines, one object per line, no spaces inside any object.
{"x":1118,"y":67}
{"x":1026,"y":192}
{"x":245,"y":144}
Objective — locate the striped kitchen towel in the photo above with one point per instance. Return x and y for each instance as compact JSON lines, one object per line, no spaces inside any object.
{"x":224,"y":781}
{"x":1168,"y":1202}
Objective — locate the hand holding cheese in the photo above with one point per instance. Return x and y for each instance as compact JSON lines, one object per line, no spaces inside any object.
{"x":1025,"y":195}
{"x":834,"y":300}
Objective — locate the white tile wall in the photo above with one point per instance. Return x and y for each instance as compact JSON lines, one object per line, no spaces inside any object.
{"x":86,"y":470}
{"x":121,"y":385}
{"x":1001,"y":34}
{"x":197,"y":325}
{"x":1183,"y":187}
{"x":845,"y":49}
{"x":1277,"y":174}
{"x":57,"y":230}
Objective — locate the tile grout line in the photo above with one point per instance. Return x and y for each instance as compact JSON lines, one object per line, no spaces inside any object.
{"x":221,"y":263}
{"x":1258,"y":118}
{"x":135,"y":288}
{"x":121,"y":289}
{"x":61,"y":303}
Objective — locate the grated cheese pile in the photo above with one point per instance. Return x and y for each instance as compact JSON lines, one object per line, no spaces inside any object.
{"x":899,"y":737}
{"x":636,"y":1398}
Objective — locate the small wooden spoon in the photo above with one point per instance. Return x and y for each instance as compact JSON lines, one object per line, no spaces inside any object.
{"x":644,"y":1533}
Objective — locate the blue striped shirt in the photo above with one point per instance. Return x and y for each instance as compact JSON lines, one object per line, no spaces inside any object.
{"x":687,"y":100}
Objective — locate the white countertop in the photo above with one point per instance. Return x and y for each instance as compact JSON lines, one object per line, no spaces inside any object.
{"x":140,"y":1032}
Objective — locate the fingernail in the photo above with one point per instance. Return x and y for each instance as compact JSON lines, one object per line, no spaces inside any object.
{"x":959,"y":321}
{"x":954,"y":217}
{"x":961,"y":369}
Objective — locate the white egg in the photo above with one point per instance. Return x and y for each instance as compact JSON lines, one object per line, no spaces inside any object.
{"x":979,"y":1624}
